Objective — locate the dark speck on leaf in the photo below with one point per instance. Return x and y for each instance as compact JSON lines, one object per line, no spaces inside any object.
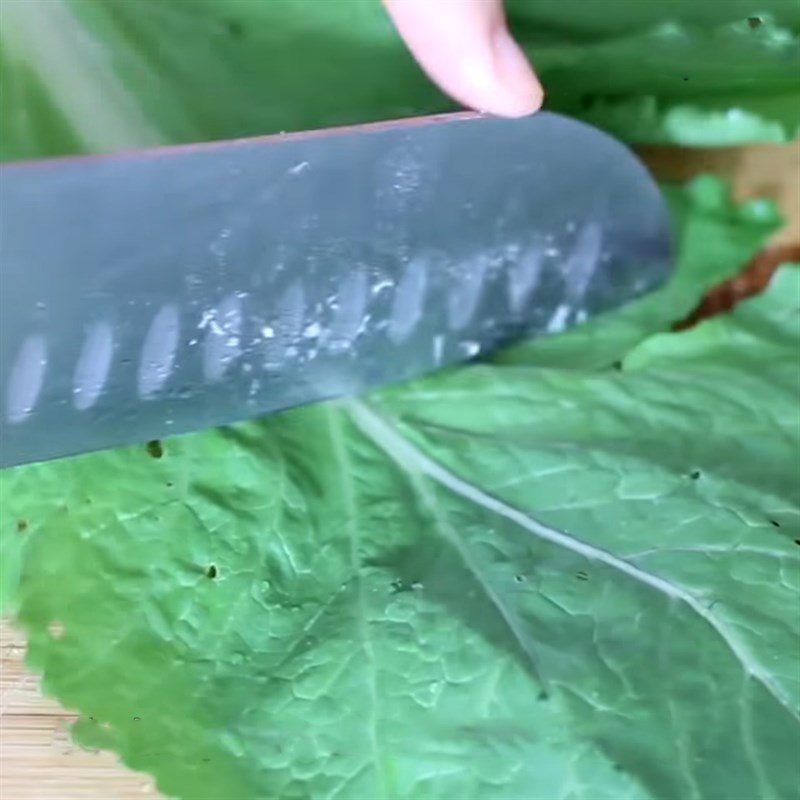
{"x":775,"y":523}
{"x":155,"y":449}
{"x":797,"y":542}
{"x":235,"y":29}
{"x":582,"y":576}
{"x":542,"y":696}
{"x":754,"y":22}
{"x":695,"y":474}
{"x":519,"y":578}
{"x":211,"y":572}
{"x":686,"y":77}
{"x":22,"y":525}
{"x":617,"y":365}
{"x":137,"y":719}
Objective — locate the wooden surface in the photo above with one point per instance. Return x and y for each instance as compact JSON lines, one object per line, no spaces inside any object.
{"x":764,"y":171}
{"x":37,"y":760}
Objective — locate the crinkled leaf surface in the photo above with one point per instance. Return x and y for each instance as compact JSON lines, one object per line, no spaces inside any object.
{"x":715,"y":72}
{"x":507,"y":581}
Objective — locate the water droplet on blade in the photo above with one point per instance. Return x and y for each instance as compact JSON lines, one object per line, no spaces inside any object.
{"x":470,"y":349}
{"x":558,"y":320}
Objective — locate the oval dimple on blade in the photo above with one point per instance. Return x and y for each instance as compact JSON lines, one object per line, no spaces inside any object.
{"x":282,"y":334}
{"x":350,"y":305}
{"x":93,"y":366}
{"x":466,"y":293}
{"x":26,"y":379}
{"x":408,"y":301}
{"x":524,"y":274}
{"x":583,"y":259}
{"x":159,"y":349}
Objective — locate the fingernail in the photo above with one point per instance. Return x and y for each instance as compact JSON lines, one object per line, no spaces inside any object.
{"x":520,"y":93}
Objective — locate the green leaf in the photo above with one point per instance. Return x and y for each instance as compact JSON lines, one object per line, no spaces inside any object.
{"x":87,"y":76}
{"x":711,"y":73}
{"x":186,"y":70}
{"x":504,"y":581}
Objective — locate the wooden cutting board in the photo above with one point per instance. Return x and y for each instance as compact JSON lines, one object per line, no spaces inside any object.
{"x":37,"y":759}
{"x":764,"y":171}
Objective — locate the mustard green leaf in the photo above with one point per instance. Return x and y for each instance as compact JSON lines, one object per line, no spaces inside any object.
{"x":87,"y":76}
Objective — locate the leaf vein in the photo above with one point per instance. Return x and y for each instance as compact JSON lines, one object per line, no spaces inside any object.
{"x":407,"y":455}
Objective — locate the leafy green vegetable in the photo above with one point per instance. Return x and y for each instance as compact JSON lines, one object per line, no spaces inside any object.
{"x":89,"y":75}
{"x":569,"y":574}
{"x":511,"y":580}
{"x":709,"y":73}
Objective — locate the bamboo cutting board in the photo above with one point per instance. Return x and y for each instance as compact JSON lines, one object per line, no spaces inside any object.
{"x":37,"y":759}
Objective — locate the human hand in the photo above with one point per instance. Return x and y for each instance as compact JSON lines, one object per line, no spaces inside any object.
{"x":466,"y":48}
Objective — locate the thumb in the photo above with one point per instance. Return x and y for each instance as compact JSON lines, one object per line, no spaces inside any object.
{"x":465,"y":47}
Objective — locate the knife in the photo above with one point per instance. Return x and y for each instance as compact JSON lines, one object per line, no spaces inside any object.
{"x":152,"y":293}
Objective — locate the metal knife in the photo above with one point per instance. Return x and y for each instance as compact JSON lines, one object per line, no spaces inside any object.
{"x":152,"y":293}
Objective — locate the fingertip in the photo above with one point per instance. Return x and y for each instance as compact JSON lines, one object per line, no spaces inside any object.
{"x":518,"y":91}
{"x":467,"y":50}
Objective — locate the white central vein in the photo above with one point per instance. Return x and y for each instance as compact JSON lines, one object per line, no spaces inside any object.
{"x":448,"y":532}
{"x":411,"y":459}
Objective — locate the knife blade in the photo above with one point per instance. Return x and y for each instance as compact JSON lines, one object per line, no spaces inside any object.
{"x":157,"y":292}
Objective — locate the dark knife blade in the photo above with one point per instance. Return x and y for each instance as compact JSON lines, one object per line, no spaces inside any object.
{"x":163,"y":291}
